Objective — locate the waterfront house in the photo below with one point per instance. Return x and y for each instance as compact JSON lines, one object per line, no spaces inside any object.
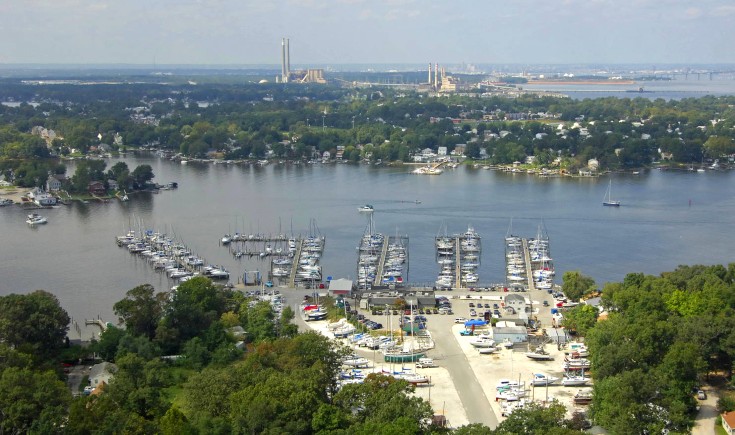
{"x":96,"y":188}
{"x":728,"y":422}
{"x":41,"y":198}
{"x":53,"y":183}
{"x":102,"y":372}
{"x":113,"y":184}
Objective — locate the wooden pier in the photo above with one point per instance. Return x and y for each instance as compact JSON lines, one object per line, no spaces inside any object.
{"x":381,"y":263}
{"x":457,"y":263}
{"x":295,"y":264}
{"x":527,"y":262}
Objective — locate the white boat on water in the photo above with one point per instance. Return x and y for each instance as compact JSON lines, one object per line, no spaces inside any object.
{"x":428,"y":170}
{"x":35,"y":219}
{"x":367,"y":208}
{"x":608,"y":201}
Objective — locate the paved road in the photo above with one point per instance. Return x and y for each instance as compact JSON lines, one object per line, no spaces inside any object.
{"x":704,"y":424}
{"x":449,"y":355}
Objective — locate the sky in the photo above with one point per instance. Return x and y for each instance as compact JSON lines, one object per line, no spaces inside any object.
{"x":323,"y":32}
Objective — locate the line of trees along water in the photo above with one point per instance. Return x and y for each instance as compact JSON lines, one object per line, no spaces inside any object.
{"x":663,"y":336}
{"x":292,"y":121}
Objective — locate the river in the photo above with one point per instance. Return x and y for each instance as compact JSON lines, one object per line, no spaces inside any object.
{"x":667,"y":218}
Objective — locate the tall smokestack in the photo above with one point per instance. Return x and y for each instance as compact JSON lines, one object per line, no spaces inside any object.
{"x":283,"y":60}
{"x":429,"y":82}
{"x":288,"y":59}
{"x":436,"y":76}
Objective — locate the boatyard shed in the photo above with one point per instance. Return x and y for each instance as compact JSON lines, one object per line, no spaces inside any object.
{"x":560,"y":336}
{"x":516,"y":334}
{"x":341,"y":287}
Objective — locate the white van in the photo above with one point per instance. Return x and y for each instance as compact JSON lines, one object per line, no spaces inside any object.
{"x":423,"y":363}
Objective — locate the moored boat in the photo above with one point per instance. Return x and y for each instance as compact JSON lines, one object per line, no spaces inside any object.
{"x":35,"y":219}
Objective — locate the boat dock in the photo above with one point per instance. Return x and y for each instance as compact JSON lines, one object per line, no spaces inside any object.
{"x":382,"y":261}
{"x":297,"y":257}
{"x":528,"y":263}
{"x":527,"y":260}
{"x":459,"y":257}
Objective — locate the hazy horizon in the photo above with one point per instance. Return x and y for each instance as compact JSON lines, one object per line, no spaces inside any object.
{"x":340,"y":32}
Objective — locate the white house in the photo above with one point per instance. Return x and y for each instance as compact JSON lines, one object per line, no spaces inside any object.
{"x":102,"y":372}
{"x":442,"y":151}
{"x":53,"y":184}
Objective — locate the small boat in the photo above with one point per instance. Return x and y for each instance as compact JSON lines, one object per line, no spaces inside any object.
{"x":226,"y":239}
{"x":582,"y":397}
{"x":356,"y":362}
{"x":487,"y":350}
{"x":541,"y":379}
{"x":608,"y":201}
{"x":576,"y":363}
{"x":575,"y":381}
{"x":483,"y":341}
{"x":367,"y":208}
{"x":35,"y":219}
{"x":507,"y":343}
{"x":539,"y":355}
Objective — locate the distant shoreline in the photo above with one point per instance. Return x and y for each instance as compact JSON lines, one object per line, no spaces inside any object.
{"x":581,"y":82}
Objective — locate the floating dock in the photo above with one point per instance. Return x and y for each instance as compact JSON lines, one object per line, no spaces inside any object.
{"x":459,"y":257}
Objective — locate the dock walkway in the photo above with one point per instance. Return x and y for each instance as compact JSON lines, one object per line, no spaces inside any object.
{"x":295,"y":264}
{"x":381,"y":263}
{"x":527,"y":261}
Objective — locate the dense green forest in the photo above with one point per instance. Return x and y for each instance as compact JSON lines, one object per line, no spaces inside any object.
{"x":250,"y":120}
{"x":662,"y":336}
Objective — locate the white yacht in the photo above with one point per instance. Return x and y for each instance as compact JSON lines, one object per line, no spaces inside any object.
{"x":35,"y":219}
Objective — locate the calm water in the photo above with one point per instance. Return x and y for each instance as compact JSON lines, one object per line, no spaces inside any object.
{"x":692,"y":87}
{"x":656,"y":229}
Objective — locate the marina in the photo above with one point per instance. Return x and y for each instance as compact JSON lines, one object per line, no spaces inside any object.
{"x":528,"y":263}
{"x":655,"y":231}
{"x":458,"y":257}
{"x":382,"y":260}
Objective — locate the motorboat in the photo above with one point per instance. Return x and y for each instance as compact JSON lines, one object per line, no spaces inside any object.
{"x":487,"y":350}
{"x":35,"y":219}
{"x":539,"y":355}
{"x":576,"y":363}
{"x":541,"y":379}
{"x":483,"y":341}
{"x":356,"y":362}
{"x":575,"y":381}
{"x":582,"y":397}
{"x":414,"y":378}
{"x":367,"y":208}
{"x":506,"y":384}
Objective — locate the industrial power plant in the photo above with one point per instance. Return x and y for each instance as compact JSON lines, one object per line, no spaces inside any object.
{"x":297,"y":76}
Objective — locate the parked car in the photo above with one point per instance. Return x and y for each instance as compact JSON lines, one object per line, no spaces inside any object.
{"x":496,"y":312}
{"x":460,"y":320}
{"x":473,"y":313}
{"x":472,"y":305}
{"x":701,"y":395}
{"x":495,"y":306}
{"x":546,"y":303}
{"x":487,"y":305}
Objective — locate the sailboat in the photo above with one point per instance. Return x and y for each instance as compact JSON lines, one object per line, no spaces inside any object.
{"x":608,"y":201}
